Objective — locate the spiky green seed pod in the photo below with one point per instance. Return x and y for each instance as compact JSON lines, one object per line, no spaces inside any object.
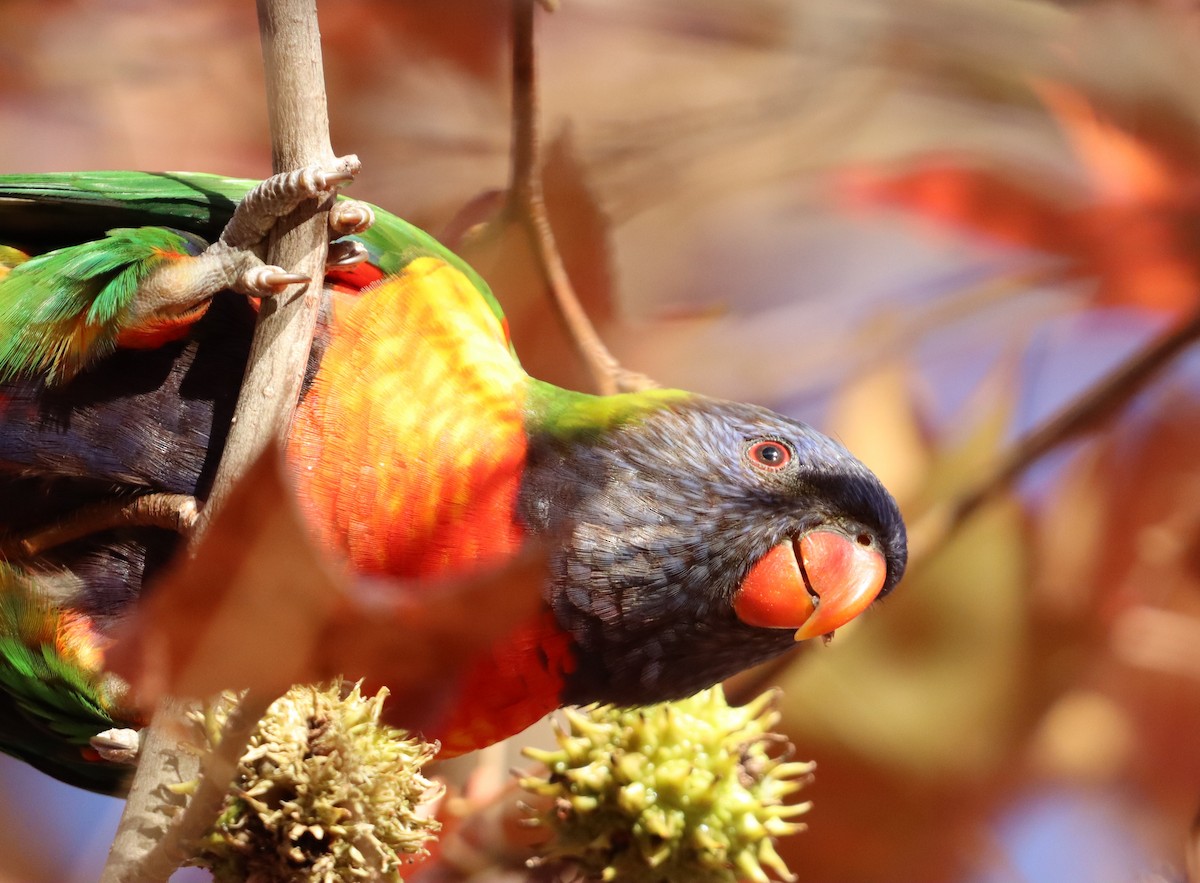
{"x":323,"y":793}
{"x":682,"y":792}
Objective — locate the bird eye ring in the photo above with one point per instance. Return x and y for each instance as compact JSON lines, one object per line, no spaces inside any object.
{"x":769,"y":454}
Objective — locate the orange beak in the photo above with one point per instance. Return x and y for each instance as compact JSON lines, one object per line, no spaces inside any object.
{"x":815,"y":585}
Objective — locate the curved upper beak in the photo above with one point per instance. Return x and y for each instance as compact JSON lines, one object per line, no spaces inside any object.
{"x":845,"y":575}
{"x":816,"y":584}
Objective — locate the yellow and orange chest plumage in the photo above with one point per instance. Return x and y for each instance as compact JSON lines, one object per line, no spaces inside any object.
{"x":408,"y":451}
{"x":410,"y":444}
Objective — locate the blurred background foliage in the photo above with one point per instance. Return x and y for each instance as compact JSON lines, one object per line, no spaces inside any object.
{"x":924,"y":225}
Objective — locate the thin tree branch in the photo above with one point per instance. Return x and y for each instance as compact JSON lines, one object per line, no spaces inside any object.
{"x":524,"y":182}
{"x":216,"y":770}
{"x":527,"y":205}
{"x":149,"y":843}
{"x":138,"y":853}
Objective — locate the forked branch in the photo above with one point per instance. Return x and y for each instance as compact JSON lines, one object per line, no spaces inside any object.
{"x":527,"y":205}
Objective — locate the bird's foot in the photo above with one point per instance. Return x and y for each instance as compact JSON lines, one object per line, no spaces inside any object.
{"x":180,"y":289}
{"x":280,"y":195}
{"x":265,"y":280}
{"x":173,"y":512}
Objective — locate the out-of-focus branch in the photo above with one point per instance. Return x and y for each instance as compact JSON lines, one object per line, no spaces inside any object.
{"x":150,"y":842}
{"x":527,"y":206}
{"x":1089,"y":410}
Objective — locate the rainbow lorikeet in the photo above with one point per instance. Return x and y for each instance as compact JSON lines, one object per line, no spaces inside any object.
{"x":689,"y":538}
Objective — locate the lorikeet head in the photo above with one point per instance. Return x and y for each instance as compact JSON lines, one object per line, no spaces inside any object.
{"x":699,"y":537}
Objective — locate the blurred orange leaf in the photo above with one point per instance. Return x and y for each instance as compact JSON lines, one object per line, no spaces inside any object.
{"x":471,"y":34}
{"x":1134,"y":227}
{"x":1122,"y":168}
{"x":258,"y":607}
{"x":1117,"y":568}
{"x":954,"y":191}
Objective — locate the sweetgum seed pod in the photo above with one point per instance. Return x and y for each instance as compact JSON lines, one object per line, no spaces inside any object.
{"x":685,"y":792}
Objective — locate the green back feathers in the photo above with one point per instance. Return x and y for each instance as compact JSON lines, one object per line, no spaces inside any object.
{"x":63,"y":309}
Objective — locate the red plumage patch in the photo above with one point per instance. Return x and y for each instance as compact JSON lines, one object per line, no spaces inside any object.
{"x":353,"y":278}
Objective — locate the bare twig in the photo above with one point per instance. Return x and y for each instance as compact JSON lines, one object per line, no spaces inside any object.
{"x":525,"y":183}
{"x":217,"y":768}
{"x":175,"y":512}
{"x":148,"y":844}
{"x":527,"y":205}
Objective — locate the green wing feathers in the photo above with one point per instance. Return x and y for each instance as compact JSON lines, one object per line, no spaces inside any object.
{"x":82,"y":205}
{"x":62,"y":310}
{"x":51,"y":689}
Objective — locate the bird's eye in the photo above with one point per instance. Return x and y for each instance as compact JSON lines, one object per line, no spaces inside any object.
{"x":769,"y":454}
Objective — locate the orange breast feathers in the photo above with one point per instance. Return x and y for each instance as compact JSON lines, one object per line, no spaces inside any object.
{"x":409,"y":446}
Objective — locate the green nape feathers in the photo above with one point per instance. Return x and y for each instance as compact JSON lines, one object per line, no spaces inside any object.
{"x":62,"y":310}
{"x":53,"y":698}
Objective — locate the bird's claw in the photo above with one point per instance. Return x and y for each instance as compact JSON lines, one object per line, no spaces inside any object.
{"x":346,"y":253}
{"x":329,"y":180}
{"x":119,"y":745}
{"x":267,"y":280}
{"x":349,"y":216}
{"x":321,"y":177}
